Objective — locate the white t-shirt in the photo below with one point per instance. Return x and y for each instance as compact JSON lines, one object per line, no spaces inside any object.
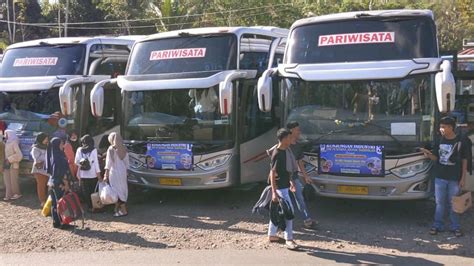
{"x":93,"y":160}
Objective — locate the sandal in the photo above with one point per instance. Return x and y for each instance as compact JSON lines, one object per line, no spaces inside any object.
{"x":434,"y":231}
{"x":120,"y":214}
{"x":16,"y":196}
{"x":291,"y":245}
{"x":458,"y":233}
{"x":6,"y":199}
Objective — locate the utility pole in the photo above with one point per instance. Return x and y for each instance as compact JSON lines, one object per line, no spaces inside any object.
{"x":66,"y":18}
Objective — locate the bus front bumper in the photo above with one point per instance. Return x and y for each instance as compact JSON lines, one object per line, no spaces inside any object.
{"x":374,"y":188}
{"x":180,"y":180}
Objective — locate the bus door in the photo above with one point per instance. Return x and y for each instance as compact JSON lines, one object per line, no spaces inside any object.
{"x":464,"y":106}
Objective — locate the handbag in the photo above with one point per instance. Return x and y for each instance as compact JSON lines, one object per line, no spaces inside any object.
{"x":462,"y":202}
{"x":108,"y":195}
{"x":95,"y":197}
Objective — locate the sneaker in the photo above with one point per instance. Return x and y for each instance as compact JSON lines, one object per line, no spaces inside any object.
{"x":275,"y":239}
{"x":434,"y":231}
{"x":309,"y":224}
{"x":291,"y":245}
{"x":16,"y":196}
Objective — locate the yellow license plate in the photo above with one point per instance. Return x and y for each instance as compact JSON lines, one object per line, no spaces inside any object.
{"x":170,"y":181}
{"x":356,"y":190}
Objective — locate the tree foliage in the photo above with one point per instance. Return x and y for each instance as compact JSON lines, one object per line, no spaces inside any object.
{"x":454,"y":18}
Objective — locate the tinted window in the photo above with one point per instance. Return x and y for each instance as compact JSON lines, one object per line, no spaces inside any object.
{"x":363,"y":40}
{"x":184,"y":54}
{"x":43,"y":61}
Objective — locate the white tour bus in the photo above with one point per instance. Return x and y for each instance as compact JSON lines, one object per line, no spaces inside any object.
{"x":45,"y":85}
{"x":367,"y":89}
{"x":190,"y":116}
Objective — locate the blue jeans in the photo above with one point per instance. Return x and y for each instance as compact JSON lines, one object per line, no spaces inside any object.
{"x":445,"y":190}
{"x":273,"y":229}
{"x":300,"y":200}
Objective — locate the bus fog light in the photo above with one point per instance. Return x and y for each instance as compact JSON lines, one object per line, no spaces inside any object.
{"x":322,"y":187}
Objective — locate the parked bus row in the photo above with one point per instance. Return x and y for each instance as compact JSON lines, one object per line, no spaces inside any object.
{"x":199,"y":107}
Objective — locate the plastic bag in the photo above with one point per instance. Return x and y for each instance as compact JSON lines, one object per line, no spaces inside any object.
{"x":46,"y":211}
{"x":107,"y":195}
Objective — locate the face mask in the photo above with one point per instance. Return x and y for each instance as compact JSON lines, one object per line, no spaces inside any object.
{"x":74,"y":139}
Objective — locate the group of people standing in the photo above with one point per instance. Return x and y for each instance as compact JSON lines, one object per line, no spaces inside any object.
{"x":64,"y":163}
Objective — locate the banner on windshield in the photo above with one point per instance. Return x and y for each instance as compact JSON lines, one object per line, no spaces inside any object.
{"x":177,"y":53}
{"x":35,"y":61}
{"x":169,"y":156}
{"x":349,"y":159}
{"x":356,"y":38}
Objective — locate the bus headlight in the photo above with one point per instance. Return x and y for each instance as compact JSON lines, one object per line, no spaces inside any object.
{"x":136,"y":163}
{"x":309,"y":167}
{"x":214,"y":162}
{"x":412,"y":169}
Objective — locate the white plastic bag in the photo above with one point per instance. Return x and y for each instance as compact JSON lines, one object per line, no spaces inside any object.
{"x":107,"y":194}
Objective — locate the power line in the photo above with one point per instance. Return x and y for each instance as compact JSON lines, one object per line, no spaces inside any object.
{"x":54,"y":26}
{"x":146,"y":19}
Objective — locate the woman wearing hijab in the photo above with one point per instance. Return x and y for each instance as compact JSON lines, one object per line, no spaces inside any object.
{"x":38,"y":153}
{"x":11,"y":166}
{"x":116,"y":165}
{"x":73,"y":139}
{"x":57,"y":166}
{"x":88,"y":168}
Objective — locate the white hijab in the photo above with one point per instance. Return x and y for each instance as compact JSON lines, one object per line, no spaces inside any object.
{"x":116,"y":143}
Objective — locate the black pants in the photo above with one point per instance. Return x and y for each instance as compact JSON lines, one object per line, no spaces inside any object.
{"x":88,"y":187}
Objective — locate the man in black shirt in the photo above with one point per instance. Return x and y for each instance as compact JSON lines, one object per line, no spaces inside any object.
{"x":281,"y":184}
{"x":450,"y":156}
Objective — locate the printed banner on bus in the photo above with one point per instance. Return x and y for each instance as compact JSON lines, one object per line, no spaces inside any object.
{"x":35,"y":61}
{"x":25,"y":146}
{"x":177,"y":54}
{"x":356,"y":38}
{"x":349,"y":159}
{"x":169,"y":156}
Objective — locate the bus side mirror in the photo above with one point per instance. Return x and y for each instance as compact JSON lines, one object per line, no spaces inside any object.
{"x":445,"y":88}
{"x":97,"y":97}
{"x":65,"y":99}
{"x":225,"y":97}
{"x":265,"y":91}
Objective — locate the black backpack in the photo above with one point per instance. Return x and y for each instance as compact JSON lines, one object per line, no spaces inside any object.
{"x":85,"y":164}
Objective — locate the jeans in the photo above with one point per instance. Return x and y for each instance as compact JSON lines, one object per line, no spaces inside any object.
{"x":272,"y":229}
{"x":303,"y":210}
{"x":445,"y":190}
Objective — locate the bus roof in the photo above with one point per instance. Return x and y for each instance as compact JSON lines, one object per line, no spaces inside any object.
{"x":355,"y":14}
{"x":262,"y":30}
{"x":124,"y":40}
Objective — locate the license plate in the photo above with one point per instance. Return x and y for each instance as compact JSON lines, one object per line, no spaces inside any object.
{"x":356,"y":190}
{"x":170,"y":181}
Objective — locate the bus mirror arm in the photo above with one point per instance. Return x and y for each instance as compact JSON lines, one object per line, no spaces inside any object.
{"x":225,"y":90}
{"x":265,"y":90}
{"x":66,"y":91}
{"x":445,"y":88}
{"x":97,"y":97}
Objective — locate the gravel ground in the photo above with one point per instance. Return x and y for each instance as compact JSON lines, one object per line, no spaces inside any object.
{"x":222,"y":219}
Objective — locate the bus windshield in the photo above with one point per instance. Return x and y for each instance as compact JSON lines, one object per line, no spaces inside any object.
{"x":45,"y":60}
{"x":29,"y":111}
{"x":391,"y":111}
{"x":364,"y":39}
{"x":184,"y":115}
{"x":184,"y":54}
